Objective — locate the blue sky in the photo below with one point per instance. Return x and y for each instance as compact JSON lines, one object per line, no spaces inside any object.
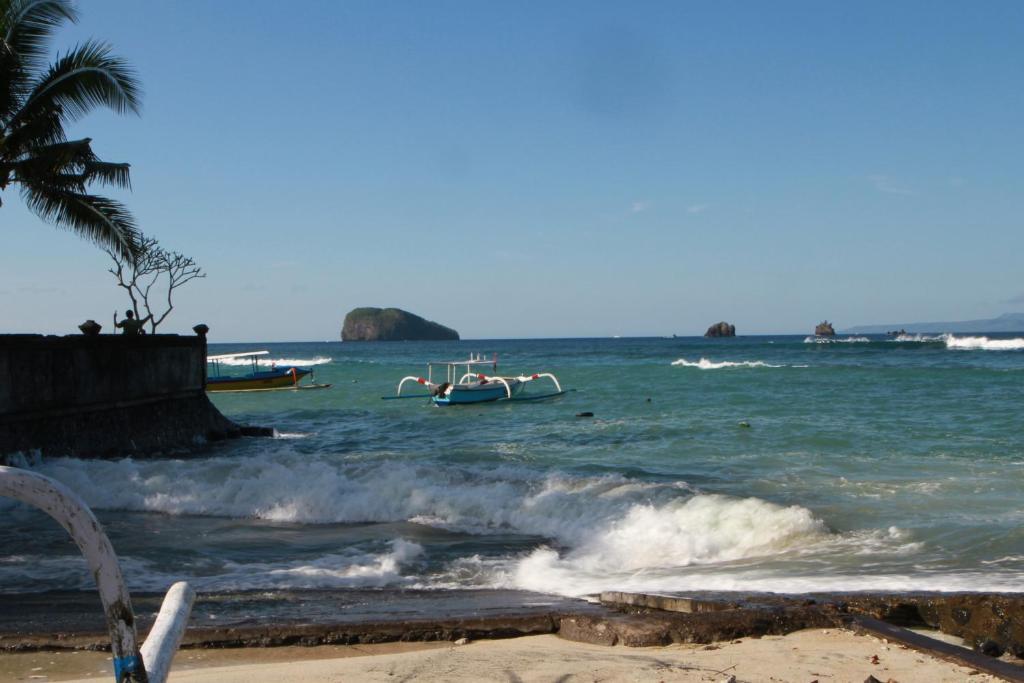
{"x":555,"y":169}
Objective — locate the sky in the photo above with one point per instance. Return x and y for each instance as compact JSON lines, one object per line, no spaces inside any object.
{"x":541,"y":169}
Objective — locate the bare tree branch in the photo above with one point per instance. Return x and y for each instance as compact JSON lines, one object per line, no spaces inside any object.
{"x":155,"y":272}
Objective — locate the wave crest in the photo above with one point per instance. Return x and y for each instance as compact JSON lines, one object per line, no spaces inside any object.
{"x":835,"y":340}
{"x":705,"y":364}
{"x":704,"y":530}
{"x":983,"y":343}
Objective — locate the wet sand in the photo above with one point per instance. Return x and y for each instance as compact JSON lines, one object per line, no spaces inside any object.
{"x":814,"y":654}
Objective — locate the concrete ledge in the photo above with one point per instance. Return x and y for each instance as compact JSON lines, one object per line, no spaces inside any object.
{"x":667,"y":603}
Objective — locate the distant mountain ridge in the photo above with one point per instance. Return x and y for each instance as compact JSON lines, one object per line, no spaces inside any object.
{"x":1007,"y":322}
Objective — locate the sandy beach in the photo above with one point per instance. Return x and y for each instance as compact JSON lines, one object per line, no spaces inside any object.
{"x":817,"y":654}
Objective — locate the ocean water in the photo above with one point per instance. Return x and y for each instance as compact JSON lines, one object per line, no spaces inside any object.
{"x":757,"y":464}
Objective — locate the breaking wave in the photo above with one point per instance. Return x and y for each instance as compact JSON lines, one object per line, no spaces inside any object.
{"x":920,"y":338}
{"x":705,"y":364}
{"x":609,"y":523}
{"x":983,"y":343}
{"x":835,"y":340}
{"x":953,"y":342}
{"x":591,"y":533}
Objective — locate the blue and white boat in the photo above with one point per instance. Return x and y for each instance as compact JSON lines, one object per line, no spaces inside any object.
{"x":473,"y":386}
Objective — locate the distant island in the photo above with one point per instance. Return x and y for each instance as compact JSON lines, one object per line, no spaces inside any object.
{"x":392,"y":324}
{"x":722,"y":329}
{"x":1007,"y":322}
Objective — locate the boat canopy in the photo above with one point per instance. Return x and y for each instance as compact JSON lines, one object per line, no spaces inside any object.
{"x":468,"y":363}
{"x":247,"y":354}
{"x":472,"y":361}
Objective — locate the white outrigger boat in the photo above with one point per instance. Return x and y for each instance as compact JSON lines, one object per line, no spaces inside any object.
{"x":474,"y":386}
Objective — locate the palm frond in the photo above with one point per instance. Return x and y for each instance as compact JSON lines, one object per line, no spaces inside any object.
{"x":104,"y":221}
{"x":26,"y":27}
{"x":43,"y":127}
{"x":77,"y":176}
{"x":37,"y":164}
{"x":108,"y":173}
{"x":87,"y":77}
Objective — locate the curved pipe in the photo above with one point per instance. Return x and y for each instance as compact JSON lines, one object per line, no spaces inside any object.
{"x":554,"y":379}
{"x":74,"y":515}
{"x":152,"y":662}
{"x":508,"y":389}
{"x":418,"y":380}
{"x":165,"y":636}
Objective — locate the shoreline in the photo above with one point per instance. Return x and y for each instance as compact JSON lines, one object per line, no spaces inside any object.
{"x":260,"y":618}
{"x":989,"y":625}
{"x":814,"y":654}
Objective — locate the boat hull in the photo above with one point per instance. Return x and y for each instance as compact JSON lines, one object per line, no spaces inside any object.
{"x":279,"y":378}
{"x":464,"y":394}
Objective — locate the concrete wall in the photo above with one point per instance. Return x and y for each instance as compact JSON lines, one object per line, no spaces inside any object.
{"x":105,"y":395}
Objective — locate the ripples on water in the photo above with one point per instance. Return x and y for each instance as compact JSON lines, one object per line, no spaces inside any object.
{"x":868,"y":463}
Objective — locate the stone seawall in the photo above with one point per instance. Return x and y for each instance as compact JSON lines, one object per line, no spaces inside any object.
{"x":105,"y":395}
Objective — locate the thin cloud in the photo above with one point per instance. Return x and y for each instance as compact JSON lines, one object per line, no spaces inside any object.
{"x":697,"y":208}
{"x":884,"y":183}
{"x":639,"y":206}
{"x":1015,"y":300}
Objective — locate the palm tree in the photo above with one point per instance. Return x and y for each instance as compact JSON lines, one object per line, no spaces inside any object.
{"x":37,"y":100}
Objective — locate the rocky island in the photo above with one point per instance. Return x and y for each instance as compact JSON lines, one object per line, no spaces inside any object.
{"x":824,"y":329}
{"x":392,"y":324}
{"x":722,"y":329}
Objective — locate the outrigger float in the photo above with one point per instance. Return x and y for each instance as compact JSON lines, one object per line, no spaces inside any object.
{"x":474,"y":386}
{"x":277,"y":378}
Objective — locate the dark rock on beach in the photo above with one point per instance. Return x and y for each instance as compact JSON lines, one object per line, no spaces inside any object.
{"x":824,"y":329}
{"x":722,"y":329}
{"x":989,"y":623}
{"x":392,"y":324}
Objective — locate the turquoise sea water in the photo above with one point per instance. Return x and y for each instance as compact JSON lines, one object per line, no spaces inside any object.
{"x":868,"y":463}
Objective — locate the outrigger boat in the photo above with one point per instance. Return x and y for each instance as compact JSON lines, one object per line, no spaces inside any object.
{"x":258,"y":379}
{"x":474,"y":386}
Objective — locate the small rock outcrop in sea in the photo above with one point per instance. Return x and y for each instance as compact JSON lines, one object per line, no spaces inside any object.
{"x":824,"y":329}
{"x":722,"y":329}
{"x":392,"y":324}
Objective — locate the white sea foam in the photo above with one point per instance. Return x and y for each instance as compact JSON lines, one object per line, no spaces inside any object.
{"x":920,"y":338}
{"x":705,"y":364}
{"x":280,"y":362}
{"x":544,"y":572}
{"x":611,"y":525}
{"x":610,"y":521}
{"x":705,"y":529}
{"x":291,"y":435}
{"x":602,"y":532}
{"x":835,"y":340}
{"x":984,"y":343}
{"x":294,"y":487}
